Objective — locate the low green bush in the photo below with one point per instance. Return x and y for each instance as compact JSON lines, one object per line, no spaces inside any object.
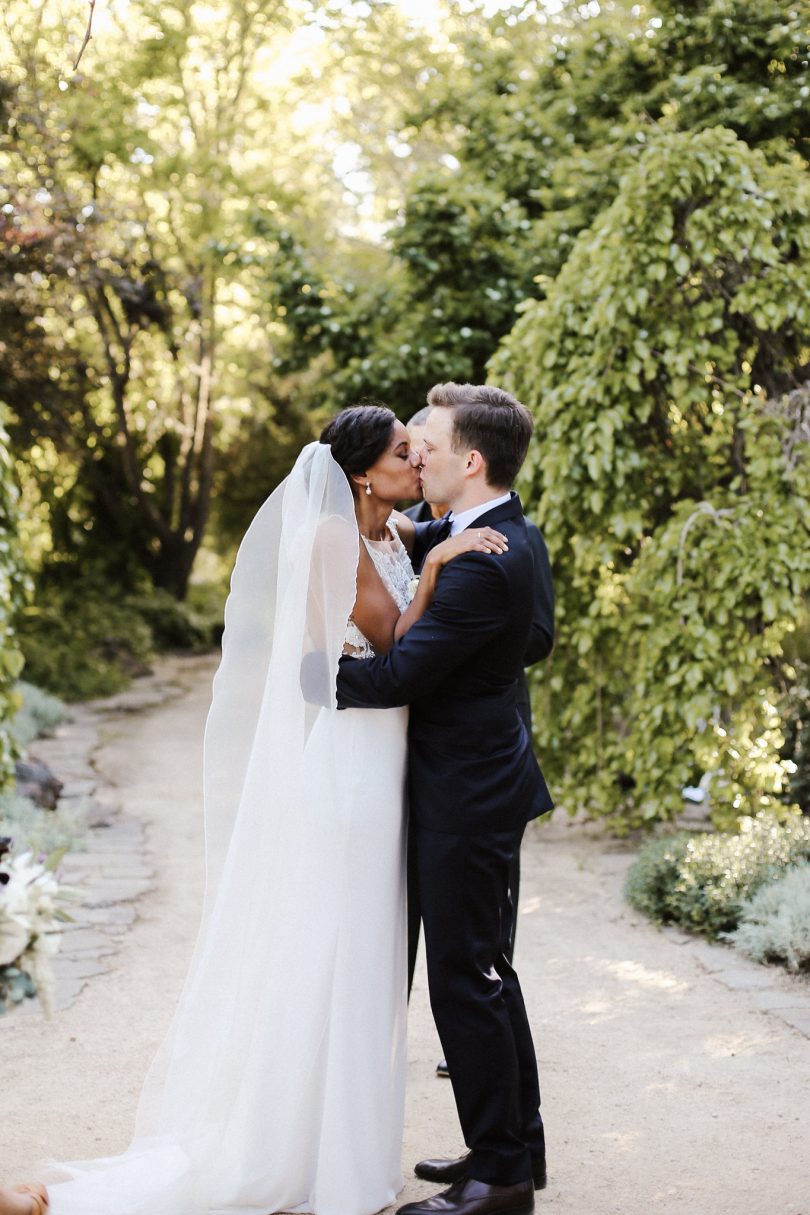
{"x":206,"y":602}
{"x":775,"y":924}
{"x":38,"y":715}
{"x":81,"y":641}
{"x":653,"y":876}
{"x":79,"y":644}
{"x":174,"y":625}
{"x":701,"y":882}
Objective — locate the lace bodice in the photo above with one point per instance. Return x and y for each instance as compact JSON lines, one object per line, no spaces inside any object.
{"x":394,"y":567}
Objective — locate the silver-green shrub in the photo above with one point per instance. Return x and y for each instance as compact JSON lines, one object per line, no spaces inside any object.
{"x":775,"y":923}
{"x":39,"y":831}
{"x":39,"y":714}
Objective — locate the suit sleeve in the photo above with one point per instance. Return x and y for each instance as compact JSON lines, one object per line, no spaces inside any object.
{"x":541,"y":636}
{"x":457,"y":624}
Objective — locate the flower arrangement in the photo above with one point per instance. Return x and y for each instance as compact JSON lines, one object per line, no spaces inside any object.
{"x":29,"y":926}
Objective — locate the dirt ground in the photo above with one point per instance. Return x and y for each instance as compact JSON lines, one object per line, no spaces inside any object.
{"x":665,"y":1089}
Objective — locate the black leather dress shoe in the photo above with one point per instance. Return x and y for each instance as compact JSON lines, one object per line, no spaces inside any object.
{"x":470,"y":1197}
{"x":453,"y":1170}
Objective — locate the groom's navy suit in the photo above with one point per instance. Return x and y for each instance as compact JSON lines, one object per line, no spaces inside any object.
{"x":473,"y":784}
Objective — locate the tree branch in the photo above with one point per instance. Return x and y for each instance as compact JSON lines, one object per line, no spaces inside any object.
{"x":88,"y":34}
{"x":702,"y":508}
{"x":707,"y":377}
{"x":111,"y":331}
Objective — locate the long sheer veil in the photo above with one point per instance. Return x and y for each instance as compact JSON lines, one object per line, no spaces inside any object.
{"x":217,"y":1096}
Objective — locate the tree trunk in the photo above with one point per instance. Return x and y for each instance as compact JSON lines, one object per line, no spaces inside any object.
{"x":171,"y":567}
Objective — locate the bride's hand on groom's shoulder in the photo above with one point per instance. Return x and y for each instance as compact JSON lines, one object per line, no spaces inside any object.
{"x":472,"y":540}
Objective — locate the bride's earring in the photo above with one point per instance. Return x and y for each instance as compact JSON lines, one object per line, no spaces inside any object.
{"x":368,"y":488}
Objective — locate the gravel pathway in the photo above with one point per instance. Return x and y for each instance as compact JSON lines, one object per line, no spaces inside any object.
{"x":675,"y":1074}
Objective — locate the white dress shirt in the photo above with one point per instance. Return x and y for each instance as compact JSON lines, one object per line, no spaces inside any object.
{"x":459,"y":522}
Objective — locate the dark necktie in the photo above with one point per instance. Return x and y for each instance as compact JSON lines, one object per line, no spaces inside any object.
{"x":442,"y":530}
{"x":432,"y":535}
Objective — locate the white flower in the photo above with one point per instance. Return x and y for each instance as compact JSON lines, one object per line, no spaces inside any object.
{"x":412,"y":585}
{"x":29,"y":926}
{"x":14,"y":939}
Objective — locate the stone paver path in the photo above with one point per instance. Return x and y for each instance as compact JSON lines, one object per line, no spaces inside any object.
{"x":112,"y":871}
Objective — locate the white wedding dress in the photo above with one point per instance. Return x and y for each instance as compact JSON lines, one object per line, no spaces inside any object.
{"x":281,"y":1084}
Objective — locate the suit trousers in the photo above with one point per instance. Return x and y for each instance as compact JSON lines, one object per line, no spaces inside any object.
{"x":524,"y":708}
{"x":463,"y":888}
{"x":415,"y":913}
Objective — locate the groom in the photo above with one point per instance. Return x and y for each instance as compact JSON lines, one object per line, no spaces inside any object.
{"x":473,"y":785}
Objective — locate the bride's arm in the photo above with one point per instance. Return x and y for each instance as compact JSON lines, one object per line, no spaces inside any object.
{"x":481,"y":540}
{"x":375,"y":613}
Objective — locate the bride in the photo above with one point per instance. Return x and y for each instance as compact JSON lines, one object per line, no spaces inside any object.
{"x":280,"y":1086}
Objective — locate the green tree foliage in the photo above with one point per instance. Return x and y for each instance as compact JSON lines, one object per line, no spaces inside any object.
{"x":12,"y":590}
{"x":666,"y":369}
{"x":136,"y":332}
{"x":436,"y":313}
{"x":541,"y":116}
{"x":553,"y":110}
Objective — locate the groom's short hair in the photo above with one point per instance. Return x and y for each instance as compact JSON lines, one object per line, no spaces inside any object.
{"x":488,"y":420}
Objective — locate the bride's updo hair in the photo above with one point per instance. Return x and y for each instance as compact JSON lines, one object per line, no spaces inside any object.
{"x":358,"y":436}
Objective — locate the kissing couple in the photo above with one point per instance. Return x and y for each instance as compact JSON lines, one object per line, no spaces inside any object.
{"x":354,"y":705}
